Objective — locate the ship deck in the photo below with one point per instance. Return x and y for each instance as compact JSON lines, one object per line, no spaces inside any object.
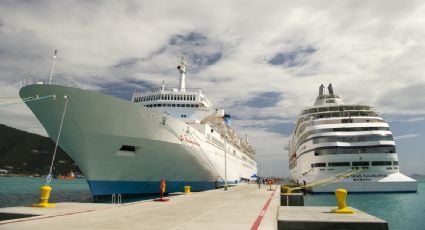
{"x":240,"y":207}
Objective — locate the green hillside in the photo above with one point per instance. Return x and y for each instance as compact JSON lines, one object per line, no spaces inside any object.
{"x":26,"y":153}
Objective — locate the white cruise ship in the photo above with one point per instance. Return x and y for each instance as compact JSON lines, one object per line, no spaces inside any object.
{"x":128,"y":147}
{"x":332,"y":140}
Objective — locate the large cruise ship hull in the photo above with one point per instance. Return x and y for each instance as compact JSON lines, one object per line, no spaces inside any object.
{"x":368,"y":182}
{"x":97,"y":126}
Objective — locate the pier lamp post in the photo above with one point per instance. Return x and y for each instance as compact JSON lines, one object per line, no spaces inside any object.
{"x":225,"y":158}
{"x":227,"y":121}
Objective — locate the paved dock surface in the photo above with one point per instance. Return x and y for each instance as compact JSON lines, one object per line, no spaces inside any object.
{"x":241,"y":207}
{"x":303,"y":217}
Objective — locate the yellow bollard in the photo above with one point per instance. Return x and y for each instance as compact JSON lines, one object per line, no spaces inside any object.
{"x":187,"y":190}
{"x":285,"y":189}
{"x":44,"y":198}
{"x":341,"y":198}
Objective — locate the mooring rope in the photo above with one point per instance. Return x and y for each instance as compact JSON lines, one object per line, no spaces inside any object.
{"x":49,"y":176}
{"x":330,"y":180}
{"x":28,"y":99}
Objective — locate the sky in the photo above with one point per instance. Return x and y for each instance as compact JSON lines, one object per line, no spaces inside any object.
{"x":261,"y":61}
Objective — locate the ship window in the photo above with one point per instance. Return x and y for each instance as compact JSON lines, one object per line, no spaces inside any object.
{"x":347,"y":120}
{"x":173,"y":105}
{"x":187,"y":105}
{"x":192,"y":105}
{"x":381,"y":163}
{"x":395,"y":162}
{"x":354,"y":150}
{"x":196,"y":105}
{"x":158,"y":105}
{"x":178,"y":105}
{"x":338,"y":164}
{"x":128,"y":148}
{"x":360,"y":163}
{"x":315,"y":165}
{"x":184,"y":97}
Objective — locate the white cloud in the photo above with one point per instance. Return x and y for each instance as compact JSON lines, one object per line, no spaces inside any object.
{"x":371,"y":52}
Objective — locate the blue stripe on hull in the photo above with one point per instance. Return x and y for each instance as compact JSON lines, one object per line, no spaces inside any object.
{"x":144,"y":187}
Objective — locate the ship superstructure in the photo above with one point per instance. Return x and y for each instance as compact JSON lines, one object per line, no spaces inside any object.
{"x":126,"y":147}
{"x":332,"y":138}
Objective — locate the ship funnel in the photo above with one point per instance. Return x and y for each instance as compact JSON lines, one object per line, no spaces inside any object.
{"x":330,"y":89}
{"x":321,"y":90}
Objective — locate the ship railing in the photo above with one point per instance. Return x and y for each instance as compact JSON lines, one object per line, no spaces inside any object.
{"x":173,"y":89}
{"x":57,"y":80}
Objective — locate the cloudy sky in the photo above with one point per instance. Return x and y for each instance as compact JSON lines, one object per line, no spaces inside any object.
{"x":261,"y":61}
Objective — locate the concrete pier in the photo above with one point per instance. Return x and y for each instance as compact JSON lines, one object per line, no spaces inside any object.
{"x":241,"y":207}
{"x":317,"y":218}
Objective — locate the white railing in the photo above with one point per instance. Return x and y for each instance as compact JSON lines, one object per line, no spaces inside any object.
{"x":57,"y":80}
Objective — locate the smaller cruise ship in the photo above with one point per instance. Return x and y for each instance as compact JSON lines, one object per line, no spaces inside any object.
{"x":335,"y":145}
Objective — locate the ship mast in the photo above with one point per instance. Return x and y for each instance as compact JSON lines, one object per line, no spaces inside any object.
{"x":182,"y":70}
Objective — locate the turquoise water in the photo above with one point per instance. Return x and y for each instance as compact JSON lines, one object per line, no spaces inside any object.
{"x":402,"y":210}
{"x":23,"y":191}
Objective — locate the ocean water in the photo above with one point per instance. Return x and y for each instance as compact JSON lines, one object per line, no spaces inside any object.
{"x":402,"y":210}
{"x":24,"y":191}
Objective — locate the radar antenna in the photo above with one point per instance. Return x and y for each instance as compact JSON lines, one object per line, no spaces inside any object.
{"x":182,"y":70}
